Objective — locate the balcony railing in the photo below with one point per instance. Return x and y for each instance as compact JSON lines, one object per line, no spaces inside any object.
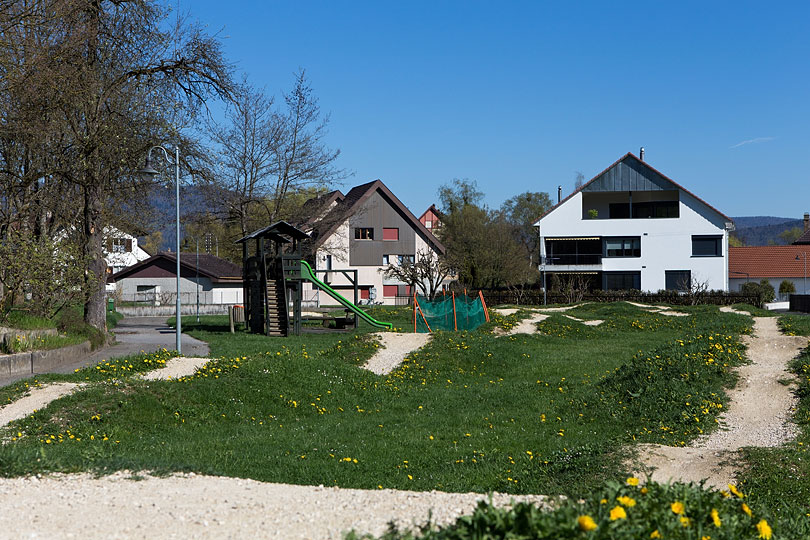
{"x":574,"y":259}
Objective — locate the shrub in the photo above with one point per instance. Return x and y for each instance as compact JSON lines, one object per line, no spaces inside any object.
{"x":787,"y":287}
{"x":763,"y":290}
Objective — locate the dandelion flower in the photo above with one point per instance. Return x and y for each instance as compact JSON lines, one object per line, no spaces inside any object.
{"x":586,"y":523}
{"x":747,"y":510}
{"x":626,"y":501}
{"x":685,"y":521}
{"x":732,"y":488}
{"x":677,"y":507}
{"x":716,"y":517}
{"x":617,"y":513}
{"x":632,"y":481}
{"x":764,"y":529}
{"x":655,"y":534}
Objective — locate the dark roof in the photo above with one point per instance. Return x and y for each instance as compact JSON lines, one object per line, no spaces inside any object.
{"x":355,"y":198}
{"x":765,"y":262}
{"x":314,"y":207}
{"x":630,"y":155}
{"x":210,"y":266}
{"x":804,"y":239}
{"x":276,"y":232}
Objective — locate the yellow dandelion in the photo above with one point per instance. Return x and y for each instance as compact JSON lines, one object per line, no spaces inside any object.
{"x":732,"y":488}
{"x":626,"y":501}
{"x":586,"y":523}
{"x":685,"y":521}
{"x":677,"y":507}
{"x":617,"y":512}
{"x":747,"y":510}
{"x":716,"y":517}
{"x":764,"y":529}
{"x":655,"y":534}
{"x":632,"y":481}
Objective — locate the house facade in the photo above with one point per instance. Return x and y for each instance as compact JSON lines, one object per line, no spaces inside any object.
{"x":772,"y":263}
{"x":153,"y":281}
{"x":631,"y":227}
{"x":431,"y":219}
{"x":364,"y":231}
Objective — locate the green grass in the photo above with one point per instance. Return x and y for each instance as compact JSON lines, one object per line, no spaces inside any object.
{"x":780,"y":477}
{"x":547,"y":413}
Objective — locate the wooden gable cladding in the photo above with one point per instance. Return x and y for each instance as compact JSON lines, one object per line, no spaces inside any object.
{"x":629,"y":174}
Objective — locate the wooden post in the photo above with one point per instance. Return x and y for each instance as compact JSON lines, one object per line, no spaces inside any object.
{"x":230,"y":318}
{"x":484,"y":304}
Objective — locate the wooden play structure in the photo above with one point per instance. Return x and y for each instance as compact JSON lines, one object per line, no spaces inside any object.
{"x":273,"y":273}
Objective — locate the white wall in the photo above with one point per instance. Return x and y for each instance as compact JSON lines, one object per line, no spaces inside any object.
{"x":210,"y":293}
{"x":666,"y":243}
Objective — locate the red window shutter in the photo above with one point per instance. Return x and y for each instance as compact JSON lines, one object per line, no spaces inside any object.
{"x":364,"y":294}
{"x":407,"y":290}
{"x":389,"y":291}
{"x":390,"y":233}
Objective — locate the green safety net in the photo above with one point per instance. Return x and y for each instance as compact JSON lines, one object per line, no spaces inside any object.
{"x":469,"y":313}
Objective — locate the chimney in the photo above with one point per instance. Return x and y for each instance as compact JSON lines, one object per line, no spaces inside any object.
{"x":559,"y":197}
{"x":641,"y":154}
{"x":806,"y":221}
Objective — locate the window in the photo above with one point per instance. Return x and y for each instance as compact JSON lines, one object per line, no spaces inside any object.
{"x":390,"y":233}
{"x":623,"y":247}
{"x":619,"y":210}
{"x":428,"y":224}
{"x":120,"y":245}
{"x":707,"y":246}
{"x":386,"y":259}
{"x":621,"y":281}
{"x":389,"y":291}
{"x":328,"y":262}
{"x":364,"y":233}
{"x":656,"y":209}
{"x":401,"y":259}
{"x":678,"y":280}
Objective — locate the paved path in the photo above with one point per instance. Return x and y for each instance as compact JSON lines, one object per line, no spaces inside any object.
{"x":132,"y":335}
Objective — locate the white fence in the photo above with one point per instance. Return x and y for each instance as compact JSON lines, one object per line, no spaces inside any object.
{"x":215,"y":297}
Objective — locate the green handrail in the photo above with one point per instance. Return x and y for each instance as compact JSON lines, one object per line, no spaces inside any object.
{"x":308,"y":273}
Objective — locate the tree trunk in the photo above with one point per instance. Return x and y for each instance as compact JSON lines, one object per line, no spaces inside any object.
{"x":95,"y":278}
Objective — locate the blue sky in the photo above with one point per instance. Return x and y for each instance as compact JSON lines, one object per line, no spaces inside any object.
{"x":520,"y":95}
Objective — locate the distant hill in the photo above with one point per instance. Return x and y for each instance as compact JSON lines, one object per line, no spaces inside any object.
{"x":763,"y":230}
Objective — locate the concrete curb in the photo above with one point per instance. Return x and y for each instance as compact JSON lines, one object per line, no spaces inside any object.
{"x":41,"y":361}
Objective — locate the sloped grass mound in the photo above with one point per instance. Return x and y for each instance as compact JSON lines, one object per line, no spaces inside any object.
{"x":619,"y":512}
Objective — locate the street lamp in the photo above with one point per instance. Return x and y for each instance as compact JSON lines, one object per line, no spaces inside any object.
{"x":148,"y":170}
{"x":805,"y":270}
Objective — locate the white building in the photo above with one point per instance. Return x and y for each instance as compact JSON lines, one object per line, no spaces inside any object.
{"x":121,"y":251}
{"x":366,"y":230}
{"x":631,"y":227}
{"x":204,"y":276}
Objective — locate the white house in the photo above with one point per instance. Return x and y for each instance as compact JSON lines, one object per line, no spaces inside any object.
{"x":631,"y":227}
{"x":121,"y":251}
{"x":366,"y":230}
{"x":204,"y":276}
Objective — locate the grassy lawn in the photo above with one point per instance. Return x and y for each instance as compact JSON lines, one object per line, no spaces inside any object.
{"x":548,"y":413}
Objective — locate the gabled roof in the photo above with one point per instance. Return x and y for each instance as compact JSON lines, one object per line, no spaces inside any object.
{"x":216,"y":269}
{"x":276,"y":232}
{"x":804,"y":239}
{"x":766,"y":262}
{"x":353,"y":201}
{"x":630,"y":155}
{"x":435,"y":211}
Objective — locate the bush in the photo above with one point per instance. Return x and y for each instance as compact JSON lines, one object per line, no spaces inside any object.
{"x":764,"y":290}
{"x":787,"y":287}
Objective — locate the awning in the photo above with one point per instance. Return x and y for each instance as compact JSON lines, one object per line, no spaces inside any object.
{"x":573,"y":238}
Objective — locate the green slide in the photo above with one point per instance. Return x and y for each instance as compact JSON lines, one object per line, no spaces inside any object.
{"x":307,"y":273}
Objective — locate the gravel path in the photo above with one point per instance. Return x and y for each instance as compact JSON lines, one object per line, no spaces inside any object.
{"x":179,"y":366}
{"x":38,"y":398}
{"x":758,"y":415}
{"x":395,"y":347}
{"x":192,"y":506}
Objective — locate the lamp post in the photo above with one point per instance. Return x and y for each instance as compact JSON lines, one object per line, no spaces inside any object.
{"x":148,"y":170}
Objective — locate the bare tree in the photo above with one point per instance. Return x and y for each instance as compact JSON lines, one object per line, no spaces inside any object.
{"x":579,"y":178}
{"x":108,"y":78}
{"x":426,"y":273}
